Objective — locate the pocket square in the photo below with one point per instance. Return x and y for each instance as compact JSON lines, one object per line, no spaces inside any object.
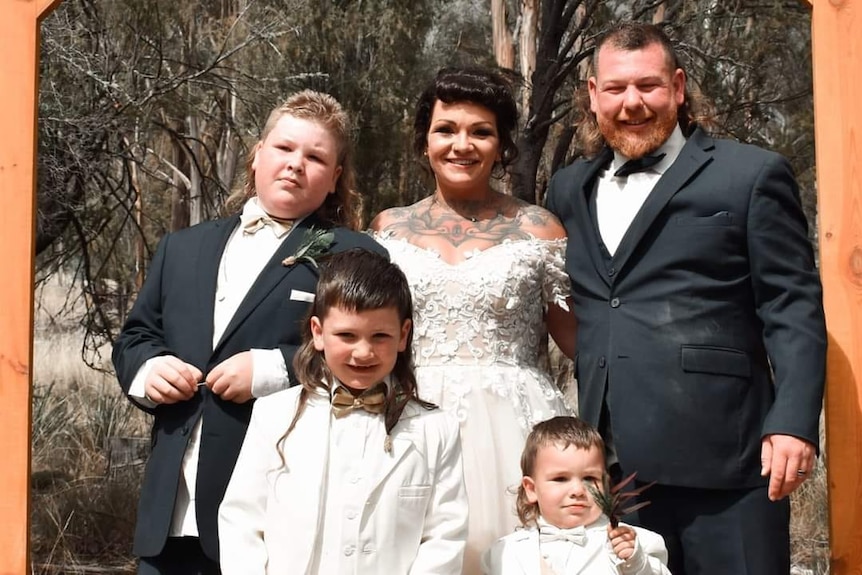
{"x":299,"y":295}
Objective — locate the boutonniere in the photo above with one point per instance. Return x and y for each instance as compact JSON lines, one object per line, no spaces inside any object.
{"x":315,"y":243}
{"x":612,"y":500}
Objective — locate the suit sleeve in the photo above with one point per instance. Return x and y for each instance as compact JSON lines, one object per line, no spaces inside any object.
{"x":788,"y":297}
{"x":142,"y":336}
{"x":444,"y":535}
{"x":242,"y":513}
{"x":551,"y":201}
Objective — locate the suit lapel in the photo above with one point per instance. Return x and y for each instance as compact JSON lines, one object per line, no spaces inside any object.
{"x":585,"y":224}
{"x":213,"y":244}
{"x":309,"y":473}
{"x":527,"y":552}
{"x":403,"y":438}
{"x":270,"y":276}
{"x":693,"y":156}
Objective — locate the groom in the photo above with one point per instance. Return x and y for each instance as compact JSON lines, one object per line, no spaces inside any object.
{"x":701,"y":333}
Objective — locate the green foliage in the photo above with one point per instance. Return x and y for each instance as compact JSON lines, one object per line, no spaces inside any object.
{"x":615,"y":501}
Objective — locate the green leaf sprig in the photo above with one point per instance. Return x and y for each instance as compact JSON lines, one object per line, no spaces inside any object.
{"x":612,"y":500}
{"x":315,"y":243}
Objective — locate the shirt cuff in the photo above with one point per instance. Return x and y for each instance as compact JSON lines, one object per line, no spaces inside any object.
{"x":635,"y":563}
{"x":137,"y":389}
{"x":269,"y":372}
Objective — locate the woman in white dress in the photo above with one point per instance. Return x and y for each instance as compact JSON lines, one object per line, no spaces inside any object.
{"x":488,"y":281}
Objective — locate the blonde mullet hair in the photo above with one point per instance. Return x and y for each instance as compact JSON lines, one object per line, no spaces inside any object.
{"x":342,"y":208}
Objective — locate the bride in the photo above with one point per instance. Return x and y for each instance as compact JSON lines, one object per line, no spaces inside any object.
{"x":488,"y":281}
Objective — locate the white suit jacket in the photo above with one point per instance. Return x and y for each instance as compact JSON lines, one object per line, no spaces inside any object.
{"x":415,"y":514}
{"x":518,"y":554}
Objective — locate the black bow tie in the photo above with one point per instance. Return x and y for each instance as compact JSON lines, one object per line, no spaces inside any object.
{"x":639,"y":165}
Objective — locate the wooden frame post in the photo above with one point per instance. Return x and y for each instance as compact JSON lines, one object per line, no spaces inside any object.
{"x":837,"y":61}
{"x":19,"y":55}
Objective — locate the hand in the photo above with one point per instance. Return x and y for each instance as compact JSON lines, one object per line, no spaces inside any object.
{"x":781,"y":456}
{"x":623,"y":540}
{"x":171,"y":380}
{"x":231,"y":379}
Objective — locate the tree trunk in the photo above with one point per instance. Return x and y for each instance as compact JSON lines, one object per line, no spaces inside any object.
{"x":180,"y":189}
{"x":527,"y":37}
{"x":193,"y":152}
{"x":228,"y":151}
{"x":503,"y":51}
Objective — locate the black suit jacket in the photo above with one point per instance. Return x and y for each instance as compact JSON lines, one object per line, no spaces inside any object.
{"x":173,"y":315}
{"x":705,"y":331}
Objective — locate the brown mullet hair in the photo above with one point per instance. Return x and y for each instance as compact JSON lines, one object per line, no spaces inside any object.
{"x":357,"y":280}
{"x":695,"y":111}
{"x":562,"y":431}
{"x":342,"y":208}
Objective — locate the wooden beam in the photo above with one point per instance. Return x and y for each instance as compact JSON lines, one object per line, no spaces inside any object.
{"x":837,"y":60}
{"x":19,"y":44}
{"x":45,"y":7}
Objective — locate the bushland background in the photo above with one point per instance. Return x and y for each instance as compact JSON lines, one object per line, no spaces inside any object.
{"x":148,"y":109}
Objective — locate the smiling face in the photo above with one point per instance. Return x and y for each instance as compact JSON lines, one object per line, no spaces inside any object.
{"x":295,"y":167}
{"x":360,"y":347}
{"x":462,"y":146}
{"x":635,"y":96}
{"x":559,"y":481}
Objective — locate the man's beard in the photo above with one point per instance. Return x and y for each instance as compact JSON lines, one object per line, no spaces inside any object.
{"x":637,"y":145}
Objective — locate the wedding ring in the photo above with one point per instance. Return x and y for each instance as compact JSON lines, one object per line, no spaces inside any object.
{"x":801,"y":472}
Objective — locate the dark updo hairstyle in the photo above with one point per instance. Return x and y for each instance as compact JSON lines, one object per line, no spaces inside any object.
{"x":485,"y":87}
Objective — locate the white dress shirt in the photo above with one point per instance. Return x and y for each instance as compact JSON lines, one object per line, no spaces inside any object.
{"x":244,"y":257}
{"x":355,"y":454}
{"x":618,"y":199}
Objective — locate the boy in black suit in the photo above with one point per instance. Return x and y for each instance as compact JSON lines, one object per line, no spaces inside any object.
{"x":219,"y":319}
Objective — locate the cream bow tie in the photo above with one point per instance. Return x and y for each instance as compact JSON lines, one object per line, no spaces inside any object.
{"x":576,"y":535}
{"x":251,"y":224}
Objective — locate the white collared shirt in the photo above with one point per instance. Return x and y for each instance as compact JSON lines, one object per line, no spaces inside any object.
{"x":618,"y":200}
{"x":355,"y":459}
{"x":561,"y":555}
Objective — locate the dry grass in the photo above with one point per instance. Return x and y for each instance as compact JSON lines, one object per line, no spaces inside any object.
{"x":83,"y":505}
{"x":809,"y":521}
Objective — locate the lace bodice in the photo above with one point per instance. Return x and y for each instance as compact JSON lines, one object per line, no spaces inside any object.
{"x":489,"y":308}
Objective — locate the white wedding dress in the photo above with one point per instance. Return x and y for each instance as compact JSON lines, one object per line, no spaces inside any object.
{"x":480,"y":349}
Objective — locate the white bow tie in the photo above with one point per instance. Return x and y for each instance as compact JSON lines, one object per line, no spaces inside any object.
{"x":576,"y":535}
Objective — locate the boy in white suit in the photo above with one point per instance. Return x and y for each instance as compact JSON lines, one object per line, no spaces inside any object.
{"x":351,"y":472}
{"x":565,"y":532}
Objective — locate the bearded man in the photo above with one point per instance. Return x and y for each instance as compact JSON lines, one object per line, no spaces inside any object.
{"x":701,"y":339}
